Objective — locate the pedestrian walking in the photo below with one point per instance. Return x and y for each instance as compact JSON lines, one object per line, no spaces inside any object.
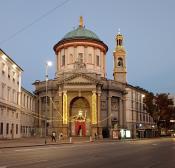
{"x":53,"y":136}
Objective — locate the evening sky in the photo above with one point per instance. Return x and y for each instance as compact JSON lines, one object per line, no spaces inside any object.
{"x":30,"y":28}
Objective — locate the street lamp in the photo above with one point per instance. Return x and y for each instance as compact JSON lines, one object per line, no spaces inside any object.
{"x":48,"y":64}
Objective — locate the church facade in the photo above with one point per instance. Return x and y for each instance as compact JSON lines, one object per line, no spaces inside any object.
{"x":80,"y":100}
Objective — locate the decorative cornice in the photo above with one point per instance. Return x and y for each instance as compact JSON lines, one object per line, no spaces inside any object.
{"x":77,"y":42}
{"x":76,"y":75}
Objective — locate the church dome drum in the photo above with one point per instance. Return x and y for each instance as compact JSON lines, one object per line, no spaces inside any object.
{"x":81,"y":49}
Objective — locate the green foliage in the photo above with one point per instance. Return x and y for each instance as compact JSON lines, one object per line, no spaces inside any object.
{"x":160,"y":107}
{"x":150,"y":105}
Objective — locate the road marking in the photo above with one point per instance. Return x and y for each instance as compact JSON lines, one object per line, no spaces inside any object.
{"x":31,"y":149}
{"x":154,"y":144}
{"x":61,"y":147}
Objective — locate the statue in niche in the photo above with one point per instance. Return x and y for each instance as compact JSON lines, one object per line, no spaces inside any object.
{"x":79,"y":65}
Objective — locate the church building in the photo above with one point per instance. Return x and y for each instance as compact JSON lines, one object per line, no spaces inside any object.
{"x":80,"y":100}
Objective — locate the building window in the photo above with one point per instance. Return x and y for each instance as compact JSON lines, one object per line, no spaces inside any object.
{"x":63,"y":60}
{"x":2,"y":112}
{"x":2,"y":89}
{"x":17,"y":79}
{"x":13,"y":95}
{"x":9,"y":70}
{"x":14,"y":76}
{"x":24,"y":101}
{"x":8,"y":93}
{"x":17,"y":98}
{"x":3,"y":68}
{"x":90,"y":58}
{"x":120,"y":62}
{"x":1,"y":128}
{"x":80,"y":57}
{"x":16,"y":128}
{"x":98,"y":60}
{"x":144,"y":117}
{"x":7,"y":128}
{"x":16,"y":115}
{"x":27,"y":101}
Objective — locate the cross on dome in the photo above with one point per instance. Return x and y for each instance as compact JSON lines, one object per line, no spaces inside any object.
{"x":81,"y":21}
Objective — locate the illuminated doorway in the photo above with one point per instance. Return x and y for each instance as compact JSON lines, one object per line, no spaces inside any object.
{"x":80,"y":117}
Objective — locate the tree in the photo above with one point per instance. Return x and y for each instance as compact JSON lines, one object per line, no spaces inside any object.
{"x":160,"y":108}
{"x":164,"y":108}
{"x":149,"y":101}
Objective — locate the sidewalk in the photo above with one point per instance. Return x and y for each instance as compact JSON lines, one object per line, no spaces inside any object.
{"x":37,"y":141}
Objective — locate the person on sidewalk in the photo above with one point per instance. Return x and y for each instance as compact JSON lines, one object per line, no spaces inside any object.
{"x":53,"y":136}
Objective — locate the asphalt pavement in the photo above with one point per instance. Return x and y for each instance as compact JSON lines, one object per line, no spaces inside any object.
{"x":150,"y":153}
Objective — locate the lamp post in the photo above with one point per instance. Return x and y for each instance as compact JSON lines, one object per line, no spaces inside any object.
{"x":48,"y":63}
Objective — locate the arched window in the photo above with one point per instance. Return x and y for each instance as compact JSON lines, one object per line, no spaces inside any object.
{"x":80,"y":57}
{"x":120,"y":62}
{"x":90,"y":58}
{"x":63,"y":60}
{"x":97,"y":60}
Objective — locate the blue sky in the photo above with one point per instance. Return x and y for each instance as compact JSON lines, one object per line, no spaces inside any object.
{"x":147,"y":25}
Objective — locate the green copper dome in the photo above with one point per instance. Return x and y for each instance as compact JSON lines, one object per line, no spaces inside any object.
{"x":81,"y":33}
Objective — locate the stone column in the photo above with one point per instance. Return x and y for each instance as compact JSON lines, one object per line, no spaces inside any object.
{"x":124,"y":111}
{"x":59,"y":61}
{"x":94,"y":58}
{"x":94,"y":107}
{"x":66,"y":57}
{"x":85,"y":55}
{"x":60,"y":106}
{"x":120,"y":113}
{"x":94,"y":113}
{"x":99,"y":131}
{"x":109,"y":111}
{"x":75,"y":53}
{"x":50,"y":113}
{"x":40,"y":118}
{"x":65,"y":114}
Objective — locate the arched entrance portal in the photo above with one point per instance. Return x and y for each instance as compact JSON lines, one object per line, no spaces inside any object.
{"x":80,"y":117}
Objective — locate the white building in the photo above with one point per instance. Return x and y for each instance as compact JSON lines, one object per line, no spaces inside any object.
{"x":27,"y":119}
{"x":12,"y":112}
{"x":137,"y":118}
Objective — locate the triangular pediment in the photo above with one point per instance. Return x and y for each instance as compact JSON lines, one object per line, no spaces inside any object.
{"x":80,"y":79}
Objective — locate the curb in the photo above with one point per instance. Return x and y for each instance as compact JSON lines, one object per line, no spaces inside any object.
{"x":77,"y":142}
{"x":23,"y":146}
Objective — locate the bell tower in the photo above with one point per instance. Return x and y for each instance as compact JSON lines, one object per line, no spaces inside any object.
{"x":119,"y":60}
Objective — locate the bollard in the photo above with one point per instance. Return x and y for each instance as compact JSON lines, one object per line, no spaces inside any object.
{"x":70,"y":139}
{"x":90,"y":139}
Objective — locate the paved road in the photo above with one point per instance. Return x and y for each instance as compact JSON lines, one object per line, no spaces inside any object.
{"x":159,"y":153}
